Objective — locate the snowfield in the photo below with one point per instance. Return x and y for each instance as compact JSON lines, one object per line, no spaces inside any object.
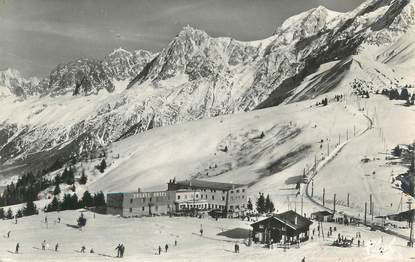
{"x":142,"y":236}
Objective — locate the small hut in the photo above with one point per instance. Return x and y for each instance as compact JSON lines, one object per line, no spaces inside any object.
{"x":287,"y":227}
{"x":322,"y":216}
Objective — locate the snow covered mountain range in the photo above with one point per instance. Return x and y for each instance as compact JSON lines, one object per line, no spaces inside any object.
{"x":85,"y":104}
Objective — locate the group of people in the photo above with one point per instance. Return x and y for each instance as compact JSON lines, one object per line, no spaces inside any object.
{"x":166,"y":247}
{"x":120,"y":250}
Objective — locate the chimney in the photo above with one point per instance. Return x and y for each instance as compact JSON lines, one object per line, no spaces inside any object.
{"x":295,"y":220}
{"x":138,"y":190}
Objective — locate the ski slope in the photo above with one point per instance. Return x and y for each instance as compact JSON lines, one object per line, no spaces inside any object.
{"x":142,"y":236}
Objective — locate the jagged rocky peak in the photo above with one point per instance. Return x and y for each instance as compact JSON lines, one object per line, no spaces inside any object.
{"x":308,"y":23}
{"x":79,"y":77}
{"x":196,"y":54}
{"x":122,"y":64}
{"x":12,"y":83}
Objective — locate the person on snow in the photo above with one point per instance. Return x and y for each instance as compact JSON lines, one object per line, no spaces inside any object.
{"x":8,"y":234}
{"x":43,"y":244}
{"x":175,"y":242}
{"x":303,"y":260}
{"x":56,"y":247}
{"x":159,"y":250}
{"x":83,"y":249}
{"x":201,"y":232}
{"x":17,"y":248}
{"x":118,"y":248}
{"x":92,"y":251}
{"x":122,"y":249}
{"x":166,"y":247}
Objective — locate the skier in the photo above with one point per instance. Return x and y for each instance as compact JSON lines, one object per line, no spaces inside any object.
{"x":159,"y":250}
{"x":83,"y":249}
{"x":43,"y":244}
{"x":118,"y":248}
{"x":166,"y":247}
{"x":92,"y":251}
{"x":122,"y":249}
{"x":56,"y":247}
{"x":303,"y":260}
{"x":236,"y":248}
{"x":201,"y":231}
{"x":59,"y":219}
{"x":17,"y":248}
{"x":358,"y":243}
{"x":8,"y":234}
{"x":175,"y":242}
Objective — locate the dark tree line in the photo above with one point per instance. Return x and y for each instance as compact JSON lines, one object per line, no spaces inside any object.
{"x":25,"y":189}
{"x":28,"y":210}
{"x":29,"y":186}
{"x":71,"y":202}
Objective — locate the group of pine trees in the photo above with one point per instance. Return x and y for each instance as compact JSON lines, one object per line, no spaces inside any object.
{"x":25,"y":189}
{"x":71,"y":202}
{"x":394,"y":94}
{"x":264,"y":204}
{"x":28,"y":210}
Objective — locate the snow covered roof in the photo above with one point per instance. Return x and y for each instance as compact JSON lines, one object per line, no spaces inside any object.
{"x":289,"y":218}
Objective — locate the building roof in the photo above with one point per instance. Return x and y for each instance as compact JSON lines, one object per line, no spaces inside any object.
{"x":322,"y":213}
{"x":209,"y":184}
{"x":288,"y":218}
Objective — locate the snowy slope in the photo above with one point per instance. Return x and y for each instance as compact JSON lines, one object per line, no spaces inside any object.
{"x":291,"y":133}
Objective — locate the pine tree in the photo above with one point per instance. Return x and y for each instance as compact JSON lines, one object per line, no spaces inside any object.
{"x":74,"y":202}
{"x":87,"y":200}
{"x":54,"y":205}
{"x":81,"y":221}
{"x":260,"y":204}
{"x":83,"y":179}
{"x":99,"y":199}
{"x":102,"y":166}
{"x":249,"y":205}
{"x":30,"y":209}
{"x":67,"y":202}
{"x":19,"y":213}
{"x":9,"y":214}
{"x":269,"y":206}
{"x":57,"y":190}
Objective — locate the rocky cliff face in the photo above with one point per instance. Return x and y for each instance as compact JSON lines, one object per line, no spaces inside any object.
{"x":195,"y":76}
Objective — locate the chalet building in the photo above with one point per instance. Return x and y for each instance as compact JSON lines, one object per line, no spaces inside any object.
{"x":180,"y":196}
{"x":229,"y":197}
{"x":287,"y":227}
{"x":136,"y":204}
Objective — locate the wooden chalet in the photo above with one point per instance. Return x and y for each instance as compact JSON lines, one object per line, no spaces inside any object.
{"x":287,"y":227}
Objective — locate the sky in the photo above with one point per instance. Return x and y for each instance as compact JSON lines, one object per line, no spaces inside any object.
{"x":37,"y":35}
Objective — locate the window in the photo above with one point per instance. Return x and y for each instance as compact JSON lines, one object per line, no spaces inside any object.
{"x":131,"y":201}
{"x":131,"y":210}
{"x":237,"y":190}
{"x":178,"y":197}
{"x":150,"y":199}
{"x":223,"y":198}
{"x":231,"y":191}
{"x":243,"y":190}
{"x":143,"y":208}
{"x":213,"y":197}
{"x":197,"y":195}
